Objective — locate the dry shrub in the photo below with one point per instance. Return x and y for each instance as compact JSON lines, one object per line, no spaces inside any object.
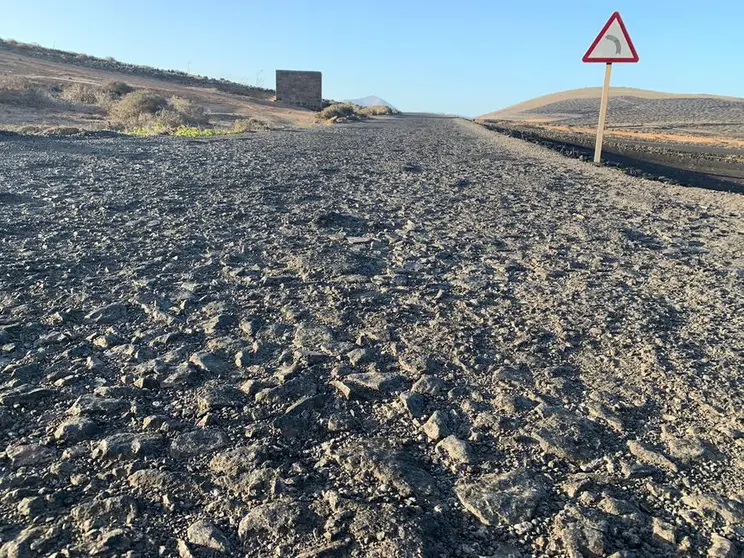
{"x":24,"y":93}
{"x":83,"y":93}
{"x":379,"y":110}
{"x":248,"y":125}
{"x":117,"y":89}
{"x":191,"y":113}
{"x":340,"y":110}
{"x":143,"y":109}
{"x":139,"y":104}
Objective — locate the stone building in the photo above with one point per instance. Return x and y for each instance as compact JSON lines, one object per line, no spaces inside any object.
{"x":302,"y":89}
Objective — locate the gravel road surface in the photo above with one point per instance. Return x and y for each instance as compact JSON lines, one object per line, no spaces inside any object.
{"x":408,"y":337}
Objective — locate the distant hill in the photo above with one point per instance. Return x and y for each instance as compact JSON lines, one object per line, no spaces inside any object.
{"x":111,"y":65}
{"x":371,"y":101}
{"x":632,"y":108}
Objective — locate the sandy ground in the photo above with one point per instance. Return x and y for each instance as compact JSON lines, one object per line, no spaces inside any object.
{"x":224,"y":108}
{"x":408,"y":337}
{"x":639,"y":115}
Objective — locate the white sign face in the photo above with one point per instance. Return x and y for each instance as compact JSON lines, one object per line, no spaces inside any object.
{"x":613,"y":44}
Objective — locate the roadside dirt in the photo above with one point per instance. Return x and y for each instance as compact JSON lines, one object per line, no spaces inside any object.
{"x":223,"y":108}
{"x":407,"y":337}
{"x":716,"y":166}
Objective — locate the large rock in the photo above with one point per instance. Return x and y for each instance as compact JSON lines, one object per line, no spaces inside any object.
{"x":128,"y":445}
{"x":388,"y":465}
{"x":114,"y":510}
{"x":25,"y":455}
{"x":93,"y":405}
{"x":458,"y":451}
{"x":198,"y":442}
{"x":203,"y":533}
{"x":108,"y":314}
{"x":650,"y":456}
{"x":280,"y":517}
{"x":437,"y":426}
{"x":209,"y":363}
{"x":76,"y":429}
{"x":579,"y":533}
{"x":505,"y":499}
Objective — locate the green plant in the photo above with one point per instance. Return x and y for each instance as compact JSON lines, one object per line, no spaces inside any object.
{"x":194,"y":132}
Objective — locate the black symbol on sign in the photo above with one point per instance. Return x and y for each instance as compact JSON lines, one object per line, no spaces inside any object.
{"x":618,"y":46}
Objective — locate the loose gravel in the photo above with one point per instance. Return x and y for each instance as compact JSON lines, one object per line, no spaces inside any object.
{"x":407,"y":337}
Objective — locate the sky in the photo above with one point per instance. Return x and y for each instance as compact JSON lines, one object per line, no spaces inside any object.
{"x":465,"y":57}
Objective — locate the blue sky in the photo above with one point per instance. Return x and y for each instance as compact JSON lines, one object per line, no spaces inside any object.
{"x":463,"y":57}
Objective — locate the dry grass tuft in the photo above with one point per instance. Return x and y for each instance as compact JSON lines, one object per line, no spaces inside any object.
{"x":248,"y":125}
{"x":340,"y":110}
{"x":23,"y":93}
{"x":117,"y":89}
{"x":83,"y":93}
{"x":148,"y":110}
{"x":379,"y":110}
{"x":139,"y":104}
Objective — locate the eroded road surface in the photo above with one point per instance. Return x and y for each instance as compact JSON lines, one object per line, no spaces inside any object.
{"x":410,"y":337}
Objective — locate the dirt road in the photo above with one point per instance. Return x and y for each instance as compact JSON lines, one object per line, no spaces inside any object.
{"x":411,"y":337}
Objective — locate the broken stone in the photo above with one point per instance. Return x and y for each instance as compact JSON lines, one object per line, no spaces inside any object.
{"x":457,"y":450}
{"x":651,"y":457}
{"x":428,"y":385}
{"x":275,"y":518}
{"x":128,"y":445}
{"x":208,"y":362}
{"x":215,"y":396}
{"x":76,"y":429}
{"x":28,"y":455}
{"x":730,"y":511}
{"x":108,"y":314}
{"x":203,"y":533}
{"x":198,"y":442}
{"x":505,"y":499}
{"x":94,"y":405}
{"x":437,"y":426}
{"x":414,"y":403}
{"x":581,"y":536}
{"x":663,"y":532}
{"x":98,"y":513}
{"x":721,"y":547}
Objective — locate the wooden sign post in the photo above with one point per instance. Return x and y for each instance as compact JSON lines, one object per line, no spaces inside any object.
{"x":613,"y":44}
{"x":602,"y":114}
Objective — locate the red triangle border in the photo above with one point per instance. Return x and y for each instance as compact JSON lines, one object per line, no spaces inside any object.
{"x":633,"y":58}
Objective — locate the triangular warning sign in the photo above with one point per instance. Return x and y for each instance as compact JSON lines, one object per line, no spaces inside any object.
{"x":613,"y":43}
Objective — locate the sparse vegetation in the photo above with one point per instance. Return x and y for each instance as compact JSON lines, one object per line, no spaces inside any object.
{"x":117,"y":89}
{"x":151,"y":113}
{"x":248,"y":125}
{"x":351,"y":111}
{"x":83,"y":93}
{"x":139,"y":104}
{"x":379,"y":110}
{"x":341,"y":110}
{"x":23,"y":93}
{"x":112,"y":65}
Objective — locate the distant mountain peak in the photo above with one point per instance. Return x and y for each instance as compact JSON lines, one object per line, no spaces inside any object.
{"x":370,"y":101}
